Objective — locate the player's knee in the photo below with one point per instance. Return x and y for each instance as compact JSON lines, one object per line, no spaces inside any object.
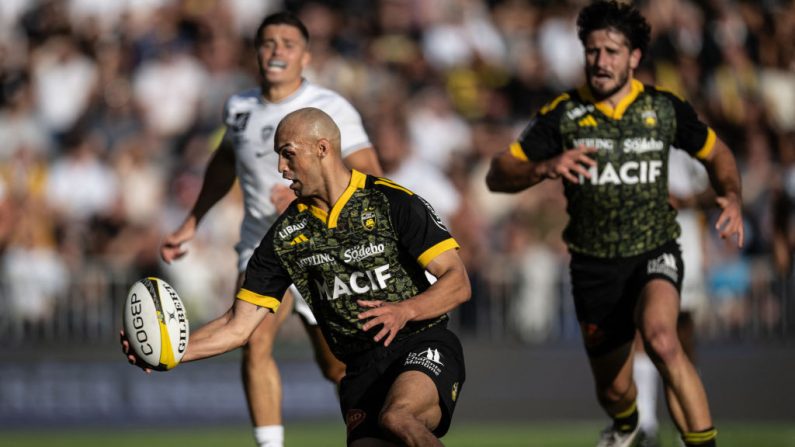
{"x":662,"y":345}
{"x":615,"y":391}
{"x":258,"y":351}
{"x":395,"y":420}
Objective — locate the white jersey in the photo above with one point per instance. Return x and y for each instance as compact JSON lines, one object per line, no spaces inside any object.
{"x":251,"y":123}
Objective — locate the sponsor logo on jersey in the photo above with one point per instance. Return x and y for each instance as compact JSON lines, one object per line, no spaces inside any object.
{"x":368,"y":219}
{"x":602,"y":144}
{"x":300,"y":239}
{"x":665,"y":264}
{"x":435,"y":217}
{"x":579,"y":111}
{"x":429,"y":359}
{"x":588,"y":121}
{"x":358,"y":283}
{"x":240,"y":121}
{"x":363,"y":251}
{"x":649,"y":118}
{"x":629,"y":173}
{"x":285,"y":232}
{"x":316,"y":259}
{"x":642,"y":145}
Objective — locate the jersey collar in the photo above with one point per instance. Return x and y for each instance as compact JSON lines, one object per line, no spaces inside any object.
{"x":358,"y":180}
{"x":636,"y":88}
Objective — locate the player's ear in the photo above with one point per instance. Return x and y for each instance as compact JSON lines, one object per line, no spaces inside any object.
{"x":306,"y":58}
{"x":634,"y":58}
{"x":323,"y":148}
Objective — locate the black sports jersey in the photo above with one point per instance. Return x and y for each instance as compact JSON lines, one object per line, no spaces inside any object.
{"x":374,"y":244}
{"x":623,"y":209}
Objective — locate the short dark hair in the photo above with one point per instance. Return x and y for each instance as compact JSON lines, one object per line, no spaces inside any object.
{"x":621,"y":17}
{"x":281,"y":18}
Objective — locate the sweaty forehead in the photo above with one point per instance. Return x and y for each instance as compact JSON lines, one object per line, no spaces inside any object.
{"x":282,"y":31}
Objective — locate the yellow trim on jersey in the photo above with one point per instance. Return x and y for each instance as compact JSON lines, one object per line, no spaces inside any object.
{"x":516,"y":150}
{"x":357,"y":182}
{"x":553,"y":104}
{"x":166,"y":351}
{"x":636,"y":88}
{"x":705,"y":150}
{"x":393,"y":185}
{"x":267,"y":302}
{"x":430,"y":254}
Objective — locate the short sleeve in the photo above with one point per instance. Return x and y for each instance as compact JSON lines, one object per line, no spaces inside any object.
{"x":352,"y":132}
{"x":541,"y":139}
{"x":419,"y":229}
{"x":266,"y":279}
{"x":692,"y":135}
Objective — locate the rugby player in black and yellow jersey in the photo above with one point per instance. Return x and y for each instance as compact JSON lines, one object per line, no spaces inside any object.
{"x":609,"y":142}
{"x":357,"y":247}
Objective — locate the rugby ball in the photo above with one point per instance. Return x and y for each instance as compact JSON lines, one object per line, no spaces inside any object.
{"x":155,"y":323}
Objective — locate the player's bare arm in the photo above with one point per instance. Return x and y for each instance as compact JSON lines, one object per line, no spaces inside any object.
{"x":725,"y":179}
{"x":364,"y":160}
{"x":509,"y":174}
{"x":451,"y":289}
{"x":218,"y":180}
{"x":227,"y":332}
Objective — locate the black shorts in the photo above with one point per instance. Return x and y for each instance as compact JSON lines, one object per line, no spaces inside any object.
{"x":368,"y":378}
{"x":606,"y":292}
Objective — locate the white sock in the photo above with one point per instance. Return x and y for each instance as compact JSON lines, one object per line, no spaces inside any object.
{"x":646,"y":378}
{"x":269,"y":436}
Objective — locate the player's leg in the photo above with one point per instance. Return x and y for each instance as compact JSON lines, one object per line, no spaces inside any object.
{"x":412,"y":411}
{"x":646,"y":381}
{"x":261,"y":379}
{"x":331,"y":367}
{"x":658,"y":310}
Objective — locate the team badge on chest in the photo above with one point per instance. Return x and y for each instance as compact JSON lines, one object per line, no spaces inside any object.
{"x":649,"y":118}
{"x":368,"y":219}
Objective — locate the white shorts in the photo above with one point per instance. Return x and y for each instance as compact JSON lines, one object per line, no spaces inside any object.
{"x":300,"y":306}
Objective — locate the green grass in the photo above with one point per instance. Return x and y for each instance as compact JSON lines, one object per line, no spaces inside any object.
{"x":332,"y":434}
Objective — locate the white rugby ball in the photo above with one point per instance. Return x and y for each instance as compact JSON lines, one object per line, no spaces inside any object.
{"x":155,"y":323}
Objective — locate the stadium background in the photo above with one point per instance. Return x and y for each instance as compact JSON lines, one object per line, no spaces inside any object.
{"x":110,"y":110}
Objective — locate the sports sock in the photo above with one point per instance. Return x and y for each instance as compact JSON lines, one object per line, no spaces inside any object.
{"x":703,"y":438}
{"x":627,"y":420}
{"x":269,"y":436}
{"x":646,"y":379}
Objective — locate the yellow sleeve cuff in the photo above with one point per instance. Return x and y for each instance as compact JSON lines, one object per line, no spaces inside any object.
{"x":431,"y":253}
{"x":267,"y":302}
{"x":517,"y":152}
{"x":705,"y":150}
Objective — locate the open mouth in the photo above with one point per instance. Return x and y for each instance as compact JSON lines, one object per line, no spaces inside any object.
{"x":277,"y":65}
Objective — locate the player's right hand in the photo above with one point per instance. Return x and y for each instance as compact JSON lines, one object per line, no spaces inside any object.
{"x":131,"y":357}
{"x":171,"y":248}
{"x":572,"y":163}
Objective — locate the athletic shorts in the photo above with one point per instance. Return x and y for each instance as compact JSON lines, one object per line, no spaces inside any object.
{"x":299,"y":304}
{"x":606,"y":292}
{"x":436,"y":352}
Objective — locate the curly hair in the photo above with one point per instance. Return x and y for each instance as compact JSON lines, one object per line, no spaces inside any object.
{"x":621,"y":17}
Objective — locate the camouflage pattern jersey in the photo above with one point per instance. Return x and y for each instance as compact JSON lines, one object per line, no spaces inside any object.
{"x":623,"y":209}
{"x":374,"y":244}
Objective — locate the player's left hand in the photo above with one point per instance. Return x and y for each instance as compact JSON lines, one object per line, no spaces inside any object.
{"x":730,"y":221}
{"x":392,"y":316}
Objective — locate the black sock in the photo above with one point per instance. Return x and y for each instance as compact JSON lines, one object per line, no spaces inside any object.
{"x":627,"y":420}
{"x":703,"y":438}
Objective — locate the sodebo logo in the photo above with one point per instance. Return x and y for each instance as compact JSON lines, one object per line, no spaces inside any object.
{"x":360,"y":252}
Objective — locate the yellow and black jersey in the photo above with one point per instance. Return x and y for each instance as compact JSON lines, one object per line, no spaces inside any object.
{"x":374,"y":244}
{"x":622,"y":210}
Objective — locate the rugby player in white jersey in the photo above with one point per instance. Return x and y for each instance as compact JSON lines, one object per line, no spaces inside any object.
{"x":246,"y":153}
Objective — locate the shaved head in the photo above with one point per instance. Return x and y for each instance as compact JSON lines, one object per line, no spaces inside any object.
{"x":311,"y":124}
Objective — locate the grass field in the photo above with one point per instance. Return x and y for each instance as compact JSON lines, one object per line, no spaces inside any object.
{"x":331,"y":434}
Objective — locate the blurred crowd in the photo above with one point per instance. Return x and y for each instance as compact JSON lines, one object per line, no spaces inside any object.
{"x":109,"y":111}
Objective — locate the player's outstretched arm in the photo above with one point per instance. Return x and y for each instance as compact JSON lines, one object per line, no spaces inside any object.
{"x":451,"y":289}
{"x":510,"y":174}
{"x":218,"y":180}
{"x":725,"y":179}
{"x":227,"y":332}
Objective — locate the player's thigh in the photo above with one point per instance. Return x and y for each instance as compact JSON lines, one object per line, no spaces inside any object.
{"x":414,"y":393}
{"x":658,"y":308}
